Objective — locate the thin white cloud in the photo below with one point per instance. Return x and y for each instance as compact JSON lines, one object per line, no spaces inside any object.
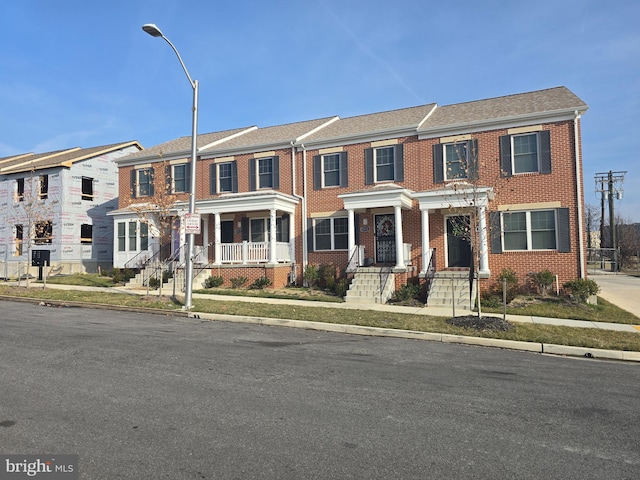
{"x":367,"y":51}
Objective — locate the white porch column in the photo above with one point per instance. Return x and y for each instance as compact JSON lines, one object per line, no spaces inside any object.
{"x":292,"y":237}
{"x":484,"y":249}
{"x":426,"y":249}
{"x":399,"y":239}
{"x":217,"y":238}
{"x":272,"y":236}
{"x":351,"y":237}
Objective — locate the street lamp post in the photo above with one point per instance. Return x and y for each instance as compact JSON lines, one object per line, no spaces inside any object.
{"x":154,"y":31}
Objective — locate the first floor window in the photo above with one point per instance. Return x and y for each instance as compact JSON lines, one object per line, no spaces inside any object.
{"x":86,"y":234}
{"x":122,"y":236}
{"x":534,"y":230}
{"x":331,"y":233}
{"x":132,"y":236}
{"x":43,"y":233}
{"x":144,"y":236}
{"x":19,"y":239}
{"x":260,"y":230}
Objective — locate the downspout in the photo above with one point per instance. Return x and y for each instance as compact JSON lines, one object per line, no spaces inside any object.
{"x":579,"y":192}
{"x":303,"y":199}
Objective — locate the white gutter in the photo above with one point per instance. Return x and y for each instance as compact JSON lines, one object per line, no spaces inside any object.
{"x":579,"y":192}
{"x":303,"y":199}
{"x":305,"y":247}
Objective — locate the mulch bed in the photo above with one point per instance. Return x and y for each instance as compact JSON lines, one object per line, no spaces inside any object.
{"x":483,"y":324}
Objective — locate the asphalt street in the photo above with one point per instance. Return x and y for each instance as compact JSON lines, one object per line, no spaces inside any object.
{"x":148,"y":396}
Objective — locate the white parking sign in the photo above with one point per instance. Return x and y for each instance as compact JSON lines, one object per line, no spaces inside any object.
{"x":192,"y":223}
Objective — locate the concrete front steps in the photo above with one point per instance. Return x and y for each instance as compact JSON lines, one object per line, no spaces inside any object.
{"x":366,"y":287}
{"x":450,"y":288}
{"x":141,"y":278}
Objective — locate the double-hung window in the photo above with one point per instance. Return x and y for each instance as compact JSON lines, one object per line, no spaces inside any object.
{"x":454,"y":161}
{"x":180,"y":177}
{"x":525,"y":153}
{"x":144,"y":183}
{"x":330,"y":170}
{"x":224,"y":177}
{"x":331,"y":233}
{"x":531,"y":230}
{"x":384,"y":164}
{"x":260,"y":230}
{"x":264,"y":173}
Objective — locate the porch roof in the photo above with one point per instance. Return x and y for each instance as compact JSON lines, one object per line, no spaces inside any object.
{"x":380,"y":196}
{"x":454,"y":195}
{"x":247,"y":202}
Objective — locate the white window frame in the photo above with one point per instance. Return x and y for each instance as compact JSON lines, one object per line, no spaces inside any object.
{"x":513,"y":152}
{"x":375,"y":163}
{"x":219,"y":177}
{"x":259,"y":174}
{"x":324,"y":171}
{"x":446,"y":162}
{"x":139,"y":184}
{"x":332,"y":234}
{"x":266,"y":229}
{"x":173,"y":178}
{"x":529,"y":231}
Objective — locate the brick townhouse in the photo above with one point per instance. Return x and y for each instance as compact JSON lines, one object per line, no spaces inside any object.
{"x":385,"y":192}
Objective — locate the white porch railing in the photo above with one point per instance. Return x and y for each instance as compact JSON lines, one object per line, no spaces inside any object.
{"x":253,"y":252}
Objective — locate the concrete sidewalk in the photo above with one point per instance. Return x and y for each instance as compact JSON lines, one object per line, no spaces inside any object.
{"x":427,"y":310}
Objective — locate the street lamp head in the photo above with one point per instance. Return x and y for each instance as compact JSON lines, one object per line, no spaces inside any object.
{"x":152,"y":30}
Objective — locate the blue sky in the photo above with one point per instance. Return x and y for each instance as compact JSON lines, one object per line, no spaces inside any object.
{"x":83,"y":73}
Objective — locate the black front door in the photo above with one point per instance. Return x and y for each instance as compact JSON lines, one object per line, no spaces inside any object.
{"x":385,"y":239}
{"x":458,"y":244}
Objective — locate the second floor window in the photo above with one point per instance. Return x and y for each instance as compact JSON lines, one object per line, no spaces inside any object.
{"x":20,"y":189}
{"x":87,"y":188}
{"x":44,"y":186}
{"x":180,"y":176}
{"x":525,"y":153}
{"x":264,"y":173}
{"x":142,"y":182}
{"x":223,"y":177}
{"x":454,"y":161}
{"x":384,"y":164}
{"x":330,"y":170}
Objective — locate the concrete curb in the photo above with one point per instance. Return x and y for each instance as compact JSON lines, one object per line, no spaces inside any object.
{"x":543,"y":348}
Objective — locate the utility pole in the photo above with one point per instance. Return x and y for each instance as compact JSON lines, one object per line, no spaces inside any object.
{"x":610,"y":186}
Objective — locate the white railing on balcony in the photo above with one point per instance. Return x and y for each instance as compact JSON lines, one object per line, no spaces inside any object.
{"x":253,"y":252}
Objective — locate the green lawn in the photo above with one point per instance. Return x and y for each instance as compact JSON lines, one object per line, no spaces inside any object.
{"x":584,"y":337}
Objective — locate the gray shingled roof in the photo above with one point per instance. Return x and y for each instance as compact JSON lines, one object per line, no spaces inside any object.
{"x":181,"y":145}
{"x":405,"y":118}
{"x":58,"y":158}
{"x":541,"y":101}
{"x":270,"y":136}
